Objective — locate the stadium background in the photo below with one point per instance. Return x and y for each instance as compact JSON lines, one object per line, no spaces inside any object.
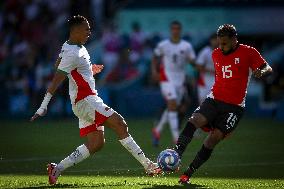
{"x":124,"y":33}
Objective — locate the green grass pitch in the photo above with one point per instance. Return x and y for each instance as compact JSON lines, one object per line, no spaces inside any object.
{"x":253,"y":157}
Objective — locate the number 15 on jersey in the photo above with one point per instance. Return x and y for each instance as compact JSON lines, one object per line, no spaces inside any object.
{"x":227,"y":72}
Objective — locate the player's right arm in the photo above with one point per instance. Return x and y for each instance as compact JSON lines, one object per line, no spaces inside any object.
{"x":201,"y":62}
{"x":64,"y":67}
{"x":154,"y":68}
{"x":58,"y":78}
{"x":158,"y":52}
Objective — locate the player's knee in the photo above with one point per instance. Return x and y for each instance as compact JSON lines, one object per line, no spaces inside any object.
{"x":96,"y":145}
{"x":198,"y":120}
{"x":213,"y":139}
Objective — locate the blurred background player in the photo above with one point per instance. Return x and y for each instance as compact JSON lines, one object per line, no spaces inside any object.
{"x":168,"y":67}
{"x":74,"y":63}
{"x":224,"y":106}
{"x":206,"y":68}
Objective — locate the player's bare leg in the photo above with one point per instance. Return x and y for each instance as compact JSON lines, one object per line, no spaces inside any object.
{"x":213,"y":138}
{"x":173,"y":118}
{"x":182,"y":109}
{"x":159,"y":127}
{"x":95,"y":142}
{"x":118,"y":124}
{"x":197,"y":120}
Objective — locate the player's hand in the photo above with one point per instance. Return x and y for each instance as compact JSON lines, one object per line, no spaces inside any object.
{"x":156,"y":77}
{"x":39,"y":113}
{"x":97,"y":68}
{"x":258,"y":73}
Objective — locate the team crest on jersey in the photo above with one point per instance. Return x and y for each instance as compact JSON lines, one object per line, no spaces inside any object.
{"x":237,"y":60}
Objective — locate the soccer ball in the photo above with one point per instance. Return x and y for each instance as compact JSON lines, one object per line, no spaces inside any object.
{"x":168,"y":160}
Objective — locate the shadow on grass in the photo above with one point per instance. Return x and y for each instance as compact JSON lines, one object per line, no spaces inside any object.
{"x":191,"y":186}
{"x":58,"y":186}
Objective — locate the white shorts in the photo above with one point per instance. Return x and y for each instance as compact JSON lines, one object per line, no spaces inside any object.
{"x":92,"y":113}
{"x":170,"y":91}
{"x":203,"y":91}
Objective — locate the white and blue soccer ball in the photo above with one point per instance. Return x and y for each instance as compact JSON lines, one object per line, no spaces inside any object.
{"x":168,"y":160}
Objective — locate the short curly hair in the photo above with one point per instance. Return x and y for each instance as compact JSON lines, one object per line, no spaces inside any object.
{"x":227,"y":30}
{"x":76,"y":20}
{"x":176,"y":22}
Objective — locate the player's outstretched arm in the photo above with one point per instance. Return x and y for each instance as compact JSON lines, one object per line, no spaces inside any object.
{"x":154,"y":68}
{"x":58,"y":78}
{"x":262,"y":71}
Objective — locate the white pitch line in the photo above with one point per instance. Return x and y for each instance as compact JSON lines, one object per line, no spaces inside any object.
{"x":26,"y":159}
{"x":106,"y":170}
{"x":135,"y":168}
{"x":96,"y":156}
{"x":248,"y":164}
{"x":140,"y":168}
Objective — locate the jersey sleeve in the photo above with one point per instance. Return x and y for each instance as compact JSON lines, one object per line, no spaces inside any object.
{"x":213,"y":56}
{"x":158,"y":51}
{"x":201,"y":58}
{"x":67,"y":63}
{"x":190,"y":52}
{"x":60,"y":54}
{"x":256,"y":60}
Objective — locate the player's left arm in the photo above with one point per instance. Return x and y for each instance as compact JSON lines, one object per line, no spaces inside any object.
{"x":97,"y":68}
{"x":259,"y":65}
{"x":262,"y":71}
{"x":191,"y":56}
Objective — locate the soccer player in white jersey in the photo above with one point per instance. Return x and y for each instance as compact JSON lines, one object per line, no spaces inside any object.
{"x":173,"y":54}
{"x":74,"y":63}
{"x":206,"y":67}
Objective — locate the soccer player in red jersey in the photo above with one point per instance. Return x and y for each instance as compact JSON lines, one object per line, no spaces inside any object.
{"x":224,"y":106}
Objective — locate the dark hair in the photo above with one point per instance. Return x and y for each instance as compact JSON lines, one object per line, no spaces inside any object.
{"x":213,"y":36}
{"x":76,"y":20}
{"x":227,"y":30}
{"x":175,"y":22}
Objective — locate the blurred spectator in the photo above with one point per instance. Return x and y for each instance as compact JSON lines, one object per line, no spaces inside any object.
{"x":125,"y":70}
{"x":137,"y":39}
{"x":32,"y":31}
{"x":111,"y":43}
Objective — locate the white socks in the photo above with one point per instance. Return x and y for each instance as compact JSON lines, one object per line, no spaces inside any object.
{"x":162,"y":122}
{"x":75,"y":157}
{"x":173,"y":120}
{"x":135,"y":150}
{"x":82,"y":153}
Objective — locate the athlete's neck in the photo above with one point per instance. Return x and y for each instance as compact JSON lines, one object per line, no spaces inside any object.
{"x":175,"y":39}
{"x":72,"y":41}
{"x":234,"y":47}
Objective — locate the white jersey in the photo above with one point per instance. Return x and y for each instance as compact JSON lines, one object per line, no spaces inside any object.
{"x":75,"y":62}
{"x":175,"y":56}
{"x":204,"y":58}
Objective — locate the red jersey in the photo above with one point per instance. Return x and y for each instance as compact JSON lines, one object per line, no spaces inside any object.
{"x":233,"y":72}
